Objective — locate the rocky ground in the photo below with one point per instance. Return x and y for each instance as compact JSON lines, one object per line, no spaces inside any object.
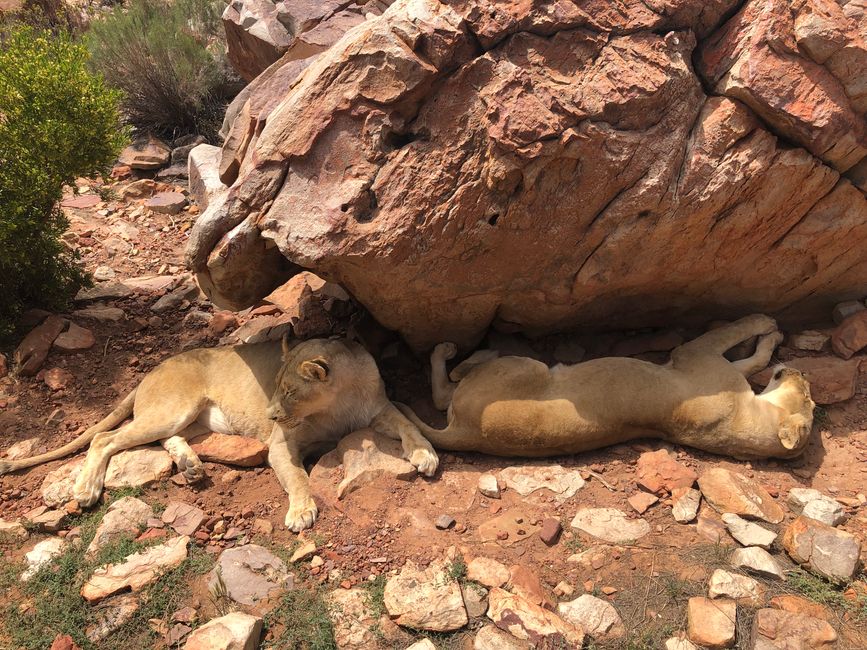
{"x":634,"y":546}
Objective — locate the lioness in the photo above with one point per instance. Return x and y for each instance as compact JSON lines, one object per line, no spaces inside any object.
{"x":302,"y":401}
{"x":513,"y":406}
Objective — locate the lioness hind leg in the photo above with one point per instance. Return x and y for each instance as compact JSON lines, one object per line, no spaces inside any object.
{"x":441,"y":388}
{"x":147,"y":427}
{"x":726,"y":337}
{"x":761,"y":357}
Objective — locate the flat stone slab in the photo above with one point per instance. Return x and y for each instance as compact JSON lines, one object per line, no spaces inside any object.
{"x":125,"y":517}
{"x":595,"y":616}
{"x":136,"y":571}
{"x":251,"y":573}
{"x":425,"y":598}
{"x":368,"y":456}
{"x":230,"y":450}
{"x":351,"y":619}
{"x":822,"y":549}
{"x":41,"y":554}
{"x":527,"y":479}
{"x":728,"y":491}
{"x":610,"y":524}
{"x":529,"y":622}
{"x":234,"y":631}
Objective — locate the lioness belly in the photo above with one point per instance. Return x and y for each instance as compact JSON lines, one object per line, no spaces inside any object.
{"x":538,"y":427}
{"x":215,"y":420}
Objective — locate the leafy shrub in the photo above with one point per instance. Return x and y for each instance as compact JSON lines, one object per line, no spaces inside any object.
{"x":57,"y":122}
{"x":169,"y":61}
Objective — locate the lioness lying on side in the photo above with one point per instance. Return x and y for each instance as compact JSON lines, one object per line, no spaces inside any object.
{"x":513,"y":406}
{"x":298,"y":402}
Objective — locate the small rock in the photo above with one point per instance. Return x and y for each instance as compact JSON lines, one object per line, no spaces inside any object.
{"x":550,"y":531}
{"x":146,"y":153}
{"x":641,"y":501}
{"x":21,"y":449}
{"x":104,"y":291}
{"x":101,"y":314}
{"x":103,"y":273}
{"x":262,"y":527}
{"x":110,"y":615}
{"x":826,"y":510}
{"x":306,"y":550}
{"x":728,"y":491}
{"x":424,"y":644}
{"x":12,"y":529}
{"x":711,"y":623}
{"x":351,"y":619}
{"x":444,"y":522}
{"x":33,"y":349}
{"x":748,"y":533}
{"x":758,"y":560}
{"x":490,"y":637}
{"x":475,"y":599}
{"x":742,"y":589}
{"x":527,"y":621}
{"x":799,"y":497}
{"x":184,"y":518}
{"x":488,"y":486}
{"x":74,"y":339}
{"x":596,"y":617}
{"x":234,"y":631}
{"x":185,"y":615}
{"x":844,"y":310}
{"x":166,"y":202}
{"x":610,"y":525}
{"x":563,"y":588}
{"x":850,"y":336}
{"x":527,"y":479}
{"x":44,"y":520}
{"x":125,"y":517}
{"x":776,"y":629}
{"x":40,"y":555}
{"x":525,"y":583}
{"x":177,"y":633}
{"x":677,"y":643}
{"x":230,"y":449}
{"x":822,"y":549}
{"x":659,"y":472}
{"x":221,"y":321}
{"x":136,"y":571}
{"x":251,"y":573}
{"x":809,"y":340}
{"x":487,"y":572}
{"x":425,"y":599}
{"x":137,"y":467}
{"x":57,"y":378}
{"x":63,"y":642}
{"x":685,"y":503}
{"x":316,"y":561}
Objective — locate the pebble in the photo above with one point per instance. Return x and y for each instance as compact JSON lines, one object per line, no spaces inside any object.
{"x":444,"y":522}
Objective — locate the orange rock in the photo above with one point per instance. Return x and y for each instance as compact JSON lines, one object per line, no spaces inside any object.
{"x":525,"y":583}
{"x":850,"y":335}
{"x":230,"y":449}
{"x":798,"y":605}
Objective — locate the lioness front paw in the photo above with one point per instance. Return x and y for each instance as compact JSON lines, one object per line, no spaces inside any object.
{"x":301,"y":515}
{"x":446,"y":351}
{"x":775,"y":338}
{"x":425,"y":461}
{"x":86,"y":491}
{"x":763,"y":324}
{"x":192,"y":468}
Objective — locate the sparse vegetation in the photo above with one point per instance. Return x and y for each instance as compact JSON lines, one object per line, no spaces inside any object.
{"x":168,"y":59}
{"x":51,"y":603}
{"x":301,"y":621}
{"x":457,"y":568}
{"x":59,"y":121}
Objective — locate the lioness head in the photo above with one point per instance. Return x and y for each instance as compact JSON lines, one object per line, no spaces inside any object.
{"x":790,"y":390}
{"x":315,"y":375}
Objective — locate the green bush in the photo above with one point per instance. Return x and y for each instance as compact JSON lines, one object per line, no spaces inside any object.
{"x":169,"y":61}
{"x":58,"y":121}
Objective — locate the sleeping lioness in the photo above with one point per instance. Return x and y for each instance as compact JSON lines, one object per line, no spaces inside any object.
{"x":513,"y":406}
{"x":298,"y":402}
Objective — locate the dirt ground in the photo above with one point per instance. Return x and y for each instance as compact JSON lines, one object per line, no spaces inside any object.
{"x":375,"y":529}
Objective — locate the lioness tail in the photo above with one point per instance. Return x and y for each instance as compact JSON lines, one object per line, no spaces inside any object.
{"x":109,"y":422}
{"x":447,"y":438}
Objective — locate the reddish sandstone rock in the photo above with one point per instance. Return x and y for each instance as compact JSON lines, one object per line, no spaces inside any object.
{"x":776,"y":629}
{"x":167,"y":202}
{"x":457,"y":165}
{"x":230,"y":450}
{"x":711,"y":623}
{"x":32,"y":351}
{"x":146,"y":153}
{"x":57,"y":378}
{"x":659,"y":472}
{"x":74,"y":339}
{"x":823,"y":549}
{"x":728,"y":491}
{"x":851,"y":335}
{"x":800,"y":66}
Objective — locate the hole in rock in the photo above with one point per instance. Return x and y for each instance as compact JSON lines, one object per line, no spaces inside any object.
{"x":492,"y":220}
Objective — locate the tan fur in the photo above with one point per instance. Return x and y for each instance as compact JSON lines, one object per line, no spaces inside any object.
{"x":513,"y":406}
{"x":298,"y":398}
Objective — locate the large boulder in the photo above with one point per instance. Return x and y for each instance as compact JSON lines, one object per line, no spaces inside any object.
{"x":259,"y":32}
{"x":432,"y":147}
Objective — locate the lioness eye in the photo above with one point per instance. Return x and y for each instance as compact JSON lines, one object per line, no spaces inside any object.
{"x":778,"y":374}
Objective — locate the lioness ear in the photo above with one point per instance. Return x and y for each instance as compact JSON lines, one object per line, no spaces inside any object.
{"x":314,"y":369}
